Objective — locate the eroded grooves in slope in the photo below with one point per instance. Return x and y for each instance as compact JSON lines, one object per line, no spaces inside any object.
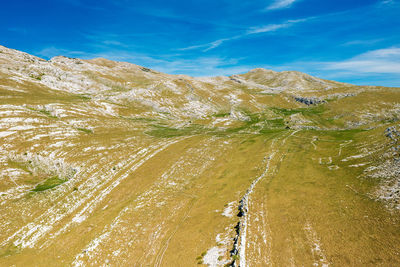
{"x":110,"y":163}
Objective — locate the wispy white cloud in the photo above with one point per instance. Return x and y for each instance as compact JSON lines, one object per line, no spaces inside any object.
{"x":252,"y":30}
{"x":268,"y":28}
{"x":273,"y":27}
{"x":363,"y":42}
{"x":208,"y":46}
{"x":113,"y":42}
{"x":202,"y":66}
{"x":217,"y":43}
{"x":374,"y":62}
{"x":211,"y":45}
{"x":52,"y":51}
{"x":199,"y":66}
{"x":279,"y":4}
{"x":387,"y":2}
{"x":377,"y":61}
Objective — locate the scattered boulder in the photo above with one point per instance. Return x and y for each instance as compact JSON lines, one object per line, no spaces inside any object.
{"x":233,"y":78}
{"x":309,"y":100}
{"x":145,"y":69}
{"x":392,"y":133}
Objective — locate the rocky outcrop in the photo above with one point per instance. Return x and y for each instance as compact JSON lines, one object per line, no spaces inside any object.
{"x":239,"y":241}
{"x":309,"y":100}
{"x":394,"y":135}
{"x":235,"y":79}
{"x":388,"y":172}
{"x":298,"y":121}
{"x":340,"y":95}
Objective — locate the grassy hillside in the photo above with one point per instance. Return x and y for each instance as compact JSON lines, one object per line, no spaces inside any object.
{"x":110,"y":163}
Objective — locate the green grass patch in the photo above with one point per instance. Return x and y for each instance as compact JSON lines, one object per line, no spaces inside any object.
{"x":85,"y":130}
{"x":257,"y":122}
{"x":143,"y":119}
{"x":44,"y":112}
{"x":47,"y":113}
{"x":235,"y":257}
{"x":314,"y":110}
{"x":82,"y":97}
{"x":276,"y":123}
{"x":20,"y":165}
{"x":10,"y":250}
{"x":49,"y":184}
{"x":221,"y":115}
{"x":271,"y":131}
{"x":37,"y":77}
{"x":167,"y":132}
{"x":284,"y":111}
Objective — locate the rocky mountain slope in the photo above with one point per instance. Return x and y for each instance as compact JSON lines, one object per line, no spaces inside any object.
{"x":110,"y":163}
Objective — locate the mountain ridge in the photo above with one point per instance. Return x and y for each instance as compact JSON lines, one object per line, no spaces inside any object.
{"x":112,"y":63}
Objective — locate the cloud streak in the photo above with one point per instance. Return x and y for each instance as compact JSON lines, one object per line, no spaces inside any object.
{"x":273,"y":27}
{"x":268,"y":28}
{"x":375,"y":62}
{"x":251,"y":31}
{"x":385,"y":60}
{"x":279,"y":4}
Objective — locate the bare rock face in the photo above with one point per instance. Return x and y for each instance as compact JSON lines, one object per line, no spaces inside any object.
{"x":309,"y":100}
{"x":394,"y":135}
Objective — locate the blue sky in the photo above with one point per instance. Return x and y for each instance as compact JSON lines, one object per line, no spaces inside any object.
{"x":356,"y":41}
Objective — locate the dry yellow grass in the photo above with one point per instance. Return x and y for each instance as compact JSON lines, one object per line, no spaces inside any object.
{"x":107,"y":163}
